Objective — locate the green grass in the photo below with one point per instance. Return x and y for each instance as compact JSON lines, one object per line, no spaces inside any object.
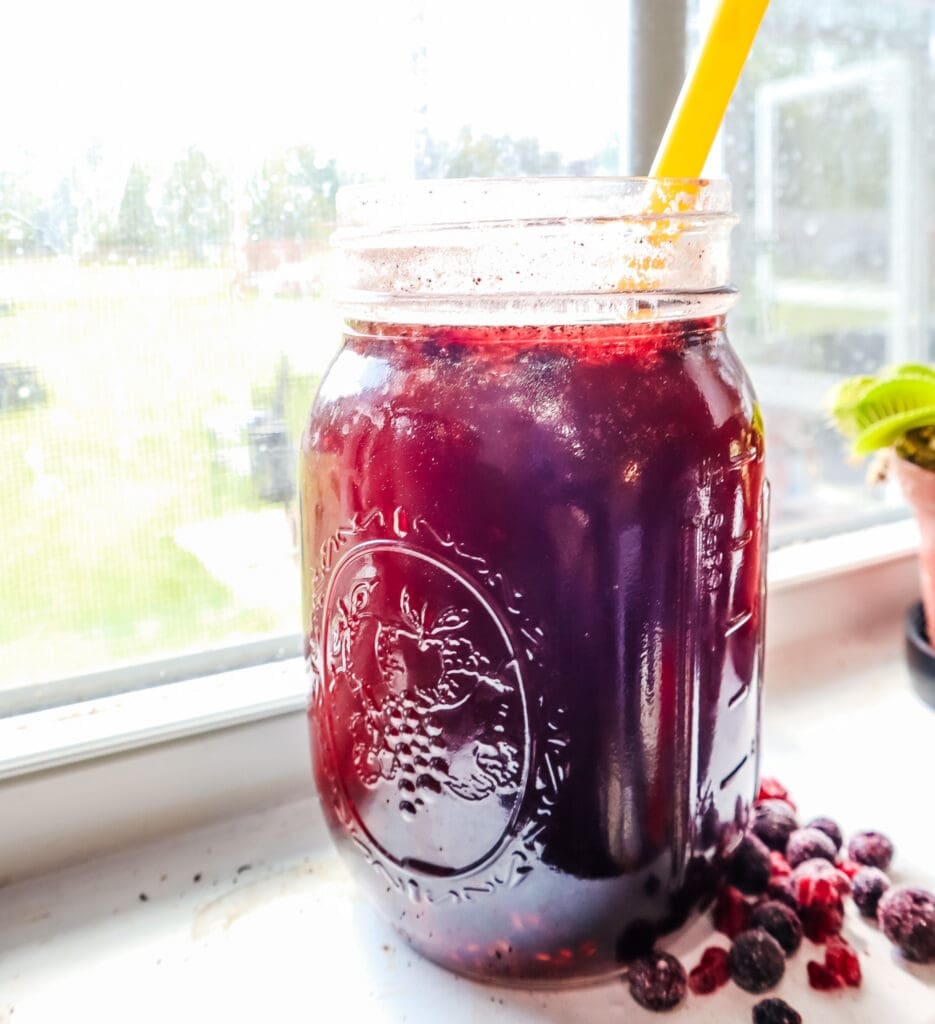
{"x":96,"y":482}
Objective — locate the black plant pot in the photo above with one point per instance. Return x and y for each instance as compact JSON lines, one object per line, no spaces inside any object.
{"x":920,"y":654}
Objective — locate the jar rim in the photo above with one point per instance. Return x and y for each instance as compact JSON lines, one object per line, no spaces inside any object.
{"x":424,"y":204}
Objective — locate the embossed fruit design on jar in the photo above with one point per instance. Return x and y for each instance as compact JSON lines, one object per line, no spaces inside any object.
{"x":533,"y":523}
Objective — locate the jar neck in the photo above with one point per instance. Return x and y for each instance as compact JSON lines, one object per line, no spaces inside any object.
{"x":643,"y":336}
{"x":535,"y":251}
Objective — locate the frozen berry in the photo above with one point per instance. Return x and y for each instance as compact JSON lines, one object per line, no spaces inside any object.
{"x":712,"y":971}
{"x":773,"y":789}
{"x":830,"y":828}
{"x":822,"y":922}
{"x":872,"y":849}
{"x":731,"y":912}
{"x":781,"y":922}
{"x":867,"y":887}
{"x":849,"y":867}
{"x":817,"y":882}
{"x":822,"y":977}
{"x":657,"y":981}
{"x":773,"y":823}
{"x":756,"y":961}
{"x":775,"y":1011}
{"x":808,"y":843}
{"x":907,"y":917}
{"x":841,"y":958}
{"x":749,"y":867}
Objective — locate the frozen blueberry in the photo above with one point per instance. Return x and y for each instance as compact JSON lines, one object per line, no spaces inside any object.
{"x":830,"y":828}
{"x":779,"y":921}
{"x":808,"y":843}
{"x":907,"y":917}
{"x":756,"y":961}
{"x":872,"y":849}
{"x":773,"y":822}
{"x":657,"y":981}
{"x":867,"y":886}
{"x":775,"y":1011}
{"x":749,"y":867}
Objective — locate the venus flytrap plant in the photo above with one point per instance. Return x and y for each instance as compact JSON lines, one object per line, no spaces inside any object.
{"x":895,"y":408}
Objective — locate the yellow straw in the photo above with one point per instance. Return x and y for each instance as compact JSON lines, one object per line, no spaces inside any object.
{"x":694,"y":124}
{"x":703,"y":100}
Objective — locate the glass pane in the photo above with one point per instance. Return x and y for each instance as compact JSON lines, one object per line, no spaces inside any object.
{"x":831,"y":148}
{"x":165,"y":203}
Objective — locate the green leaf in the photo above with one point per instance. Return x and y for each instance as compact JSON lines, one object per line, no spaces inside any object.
{"x":842,"y":401}
{"x":909,"y":370}
{"x":891,"y":428}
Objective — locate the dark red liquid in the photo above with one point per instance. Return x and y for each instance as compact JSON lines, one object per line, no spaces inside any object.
{"x":533,"y":572}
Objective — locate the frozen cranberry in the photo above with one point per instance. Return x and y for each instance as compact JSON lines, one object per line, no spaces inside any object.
{"x":808,"y":843}
{"x":775,"y":1011}
{"x":872,"y":849}
{"x":907,"y":917}
{"x":818,"y":882}
{"x":822,"y":922}
{"x":841,"y":958}
{"x":779,"y":921}
{"x":822,"y":977}
{"x":830,"y":828}
{"x":773,"y":789}
{"x":773,"y":822}
{"x":749,"y":866}
{"x":756,"y":961}
{"x":867,"y":886}
{"x":711,"y":973}
{"x":657,"y":981}
{"x":731,"y":912}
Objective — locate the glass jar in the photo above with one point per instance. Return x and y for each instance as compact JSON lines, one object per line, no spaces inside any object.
{"x":533,"y":521}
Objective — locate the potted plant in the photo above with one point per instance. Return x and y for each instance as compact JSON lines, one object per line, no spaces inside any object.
{"x":895,"y":410}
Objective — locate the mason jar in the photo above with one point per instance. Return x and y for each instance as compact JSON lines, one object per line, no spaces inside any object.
{"x":533,"y":519}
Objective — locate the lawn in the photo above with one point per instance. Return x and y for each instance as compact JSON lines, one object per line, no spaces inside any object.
{"x":136,"y":362}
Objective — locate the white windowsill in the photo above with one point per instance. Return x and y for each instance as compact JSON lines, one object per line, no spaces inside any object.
{"x":141,"y":763}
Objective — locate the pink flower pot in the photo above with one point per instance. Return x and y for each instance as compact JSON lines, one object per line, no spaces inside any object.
{"x":918,"y":487}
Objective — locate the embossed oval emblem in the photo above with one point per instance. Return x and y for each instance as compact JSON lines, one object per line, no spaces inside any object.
{"x":425,"y":708}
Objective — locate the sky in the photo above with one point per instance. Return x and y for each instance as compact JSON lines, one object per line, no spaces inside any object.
{"x":147,"y":80}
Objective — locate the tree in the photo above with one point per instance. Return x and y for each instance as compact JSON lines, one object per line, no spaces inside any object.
{"x":136,"y":225}
{"x":196,"y":207}
{"x":292,"y":196}
{"x":487,"y":156}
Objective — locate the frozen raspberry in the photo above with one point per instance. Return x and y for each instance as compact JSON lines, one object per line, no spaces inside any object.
{"x":749,"y":866}
{"x":849,"y":867}
{"x":657,"y":981}
{"x":840,"y":958}
{"x":817,"y":882}
{"x":830,"y":828}
{"x":712,"y":971}
{"x":867,"y":887}
{"x":779,"y":921}
{"x":775,"y":1011}
{"x":756,"y":961}
{"x":821,"y":923}
{"x":822,"y":978}
{"x":808,"y":843}
{"x":773,"y":823}
{"x":907,"y":917}
{"x":731,"y":912}
{"x":872,"y":849}
{"x":773,"y":789}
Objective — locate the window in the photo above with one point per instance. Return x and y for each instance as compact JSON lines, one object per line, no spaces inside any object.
{"x":167,"y":190}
